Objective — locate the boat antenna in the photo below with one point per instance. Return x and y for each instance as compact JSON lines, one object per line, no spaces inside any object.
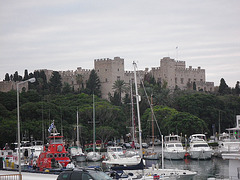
{"x":77,"y":130}
{"x":138,"y":110}
{"x":94,"y":135}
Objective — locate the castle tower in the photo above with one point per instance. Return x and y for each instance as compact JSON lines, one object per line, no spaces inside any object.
{"x":109,"y":71}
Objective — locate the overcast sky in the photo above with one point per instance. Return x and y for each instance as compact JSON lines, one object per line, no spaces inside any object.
{"x":66,"y":34}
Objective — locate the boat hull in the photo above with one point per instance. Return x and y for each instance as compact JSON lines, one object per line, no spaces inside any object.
{"x":150,"y":173}
{"x":80,"y":158}
{"x":94,"y":156}
{"x":175,"y":155}
{"x":201,"y":154}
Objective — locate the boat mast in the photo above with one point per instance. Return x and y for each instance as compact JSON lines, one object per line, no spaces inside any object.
{"x":77,"y":130}
{"x":138,"y":110}
{"x":133,"y":116}
{"x":162,"y":154}
{"x":94,"y":139}
{"x":152,"y":123}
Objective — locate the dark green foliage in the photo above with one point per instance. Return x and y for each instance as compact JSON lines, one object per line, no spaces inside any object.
{"x":237,"y":88}
{"x":194,"y":86}
{"x":36,"y":112}
{"x":173,"y":122}
{"x":8,"y":131}
{"x":7,"y":78}
{"x":115,"y":99}
{"x":66,"y":88}
{"x":119,"y":87}
{"x":223,"y":88}
{"x":104,"y":133}
{"x":26,"y":77}
{"x":93,"y":84}
{"x":9,"y":100}
{"x":55,"y":83}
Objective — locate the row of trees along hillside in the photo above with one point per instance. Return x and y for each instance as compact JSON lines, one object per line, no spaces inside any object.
{"x":178,"y":112}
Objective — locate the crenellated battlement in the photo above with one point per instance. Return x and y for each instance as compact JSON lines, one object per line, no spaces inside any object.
{"x":109,"y":70}
{"x":79,"y":69}
{"x":108,"y":59}
{"x":103,"y":59}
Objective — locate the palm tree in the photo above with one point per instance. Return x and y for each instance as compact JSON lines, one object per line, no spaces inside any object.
{"x":120,"y":87}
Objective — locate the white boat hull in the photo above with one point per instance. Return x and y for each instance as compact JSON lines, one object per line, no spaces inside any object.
{"x":150,"y":173}
{"x":94,"y":156}
{"x":80,"y":158}
{"x":176,"y":155}
{"x":200,"y":154}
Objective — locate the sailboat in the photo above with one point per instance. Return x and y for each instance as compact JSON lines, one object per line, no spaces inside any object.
{"x":76,"y":151}
{"x":94,"y":156}
{"x":154,"y":171}
{"x":150,"y":153}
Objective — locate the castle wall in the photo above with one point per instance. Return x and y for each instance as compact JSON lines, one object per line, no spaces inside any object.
{"x":71,"y":77}
{"x":188,"y":75}
{"x":6,"y":86}
{"x":173,"y":72}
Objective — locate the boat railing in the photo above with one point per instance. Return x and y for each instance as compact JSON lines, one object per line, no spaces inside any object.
{"x":11,"y":177}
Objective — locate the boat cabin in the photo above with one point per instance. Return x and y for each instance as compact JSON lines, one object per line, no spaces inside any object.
{"x":172,"y":138}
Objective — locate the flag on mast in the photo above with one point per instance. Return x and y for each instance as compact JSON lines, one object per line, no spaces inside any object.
{"x":51,"y":127}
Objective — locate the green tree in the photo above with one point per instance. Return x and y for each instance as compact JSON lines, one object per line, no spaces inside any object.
{"x":7,"y":78}
{"x":194,"y":86}
{"x":55,"y":83}
{"x":66,"y":88}
{"x":93,"y":84}
{"x":237,"y":88}
{"x":223,"y":88}
{"x":79,"y":79}
{"x":186,"y":123}
{"x":120,"y":87}
{"x":104,"y":133}
{"x":26,"y":77}
{"x":17,"y":77}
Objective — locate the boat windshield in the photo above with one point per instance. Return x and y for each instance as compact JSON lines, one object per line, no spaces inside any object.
{"x":178,"y":145}
{"x":200,"y":145}
{"x":99,"y":175}
{"x":56,"y":141}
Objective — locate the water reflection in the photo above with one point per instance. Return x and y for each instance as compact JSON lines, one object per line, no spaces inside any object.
{"x":215,"y":167}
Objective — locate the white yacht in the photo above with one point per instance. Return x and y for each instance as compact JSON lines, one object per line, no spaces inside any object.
{"x":173,"y":147}
{"x":199,"y":148}
{"x":115,"y":159}
{"x":36,"y":148}
{"x":116,"y":156}
{"x":230,"y":142}
{"x":77,"y":154}
{"x":94,"y":156}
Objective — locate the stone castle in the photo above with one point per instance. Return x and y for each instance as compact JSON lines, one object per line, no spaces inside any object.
{"x":173,"y":72}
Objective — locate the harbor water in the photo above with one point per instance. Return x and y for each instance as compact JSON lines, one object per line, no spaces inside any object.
{"x":215,"y":167}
